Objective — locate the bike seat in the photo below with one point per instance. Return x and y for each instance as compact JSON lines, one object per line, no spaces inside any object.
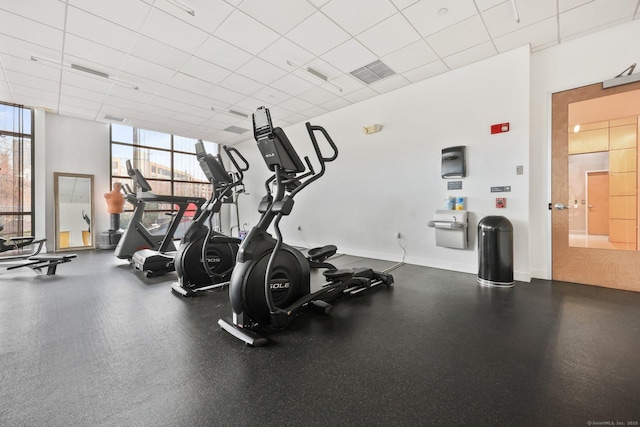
{"x":322,"y":253}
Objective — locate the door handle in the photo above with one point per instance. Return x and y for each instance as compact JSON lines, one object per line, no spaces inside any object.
{"x":560,"y":206}
{"x":591,"y":206}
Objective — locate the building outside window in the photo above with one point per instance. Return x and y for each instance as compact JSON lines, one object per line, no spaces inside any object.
{"x":169,"y":165}
{"x":16,"y":171}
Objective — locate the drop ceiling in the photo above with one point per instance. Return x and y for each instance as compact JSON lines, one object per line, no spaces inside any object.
{"x":198,"y":68}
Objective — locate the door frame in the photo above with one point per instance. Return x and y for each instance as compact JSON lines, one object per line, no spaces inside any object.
{"x":565,"y":259}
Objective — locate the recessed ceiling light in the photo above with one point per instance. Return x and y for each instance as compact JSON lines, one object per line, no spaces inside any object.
{"x":443,"y":11}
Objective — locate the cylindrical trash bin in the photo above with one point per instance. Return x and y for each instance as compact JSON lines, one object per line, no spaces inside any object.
{"x":495,"y":252}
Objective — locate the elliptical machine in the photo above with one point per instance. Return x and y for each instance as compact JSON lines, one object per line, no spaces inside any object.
{"x":270,"y":283}
{"x":205,"y":258}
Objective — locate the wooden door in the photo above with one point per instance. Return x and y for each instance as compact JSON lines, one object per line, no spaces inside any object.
{"x":598,"y":203}
{"x":611,"y":268}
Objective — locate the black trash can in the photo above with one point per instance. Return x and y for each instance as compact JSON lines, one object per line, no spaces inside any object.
{"x":495,"y":252}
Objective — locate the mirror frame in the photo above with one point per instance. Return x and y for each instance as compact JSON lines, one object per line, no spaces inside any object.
{"x":56,"y":178}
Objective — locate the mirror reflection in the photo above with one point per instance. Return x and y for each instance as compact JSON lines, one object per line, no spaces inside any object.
{"x":603,"y":178}
{"x":74,"y":211}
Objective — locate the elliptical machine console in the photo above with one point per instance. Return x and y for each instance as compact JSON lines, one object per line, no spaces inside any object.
{"x":270,"y":283}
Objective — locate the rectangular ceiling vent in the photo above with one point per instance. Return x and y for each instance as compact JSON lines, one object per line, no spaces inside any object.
{"x":373,"y":72}
{"x":114,"y":118}
{"x":236,"y":129}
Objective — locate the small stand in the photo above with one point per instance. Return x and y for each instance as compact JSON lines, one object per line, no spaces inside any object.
{"x":109,"y":239}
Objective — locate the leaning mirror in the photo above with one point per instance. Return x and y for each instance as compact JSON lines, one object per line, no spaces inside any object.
{"x":74,"y":211}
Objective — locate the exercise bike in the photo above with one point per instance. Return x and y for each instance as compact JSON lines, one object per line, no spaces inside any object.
{"x":270,"y":283}
{"x":205,"y":257}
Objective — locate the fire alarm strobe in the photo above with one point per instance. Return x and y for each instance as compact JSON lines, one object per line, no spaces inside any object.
{"x":500,"y":128}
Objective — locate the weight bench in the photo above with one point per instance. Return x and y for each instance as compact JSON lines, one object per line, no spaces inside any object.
{"x":38,"y":262}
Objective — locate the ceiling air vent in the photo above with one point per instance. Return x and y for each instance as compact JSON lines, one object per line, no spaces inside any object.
{"x":373,"y":72}
{"x":236,"y":129}
{"x":239,"y":113}
{"x":114,"y":118}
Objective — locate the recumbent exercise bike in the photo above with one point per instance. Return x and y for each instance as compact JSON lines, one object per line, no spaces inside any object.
{"x":270,"y":283}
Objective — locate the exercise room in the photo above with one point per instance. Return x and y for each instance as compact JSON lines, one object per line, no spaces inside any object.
{"x":319,"y":212}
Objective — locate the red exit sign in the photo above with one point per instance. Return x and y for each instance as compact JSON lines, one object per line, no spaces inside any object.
{"x":500,"y":128}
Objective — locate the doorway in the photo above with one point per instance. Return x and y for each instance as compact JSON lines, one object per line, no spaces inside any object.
{"x":595,"y":236}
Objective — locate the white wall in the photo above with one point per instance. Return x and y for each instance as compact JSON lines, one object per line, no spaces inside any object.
{"x":76,"y":146}
{"x":390,"y":182}
{"x":583,"y":61}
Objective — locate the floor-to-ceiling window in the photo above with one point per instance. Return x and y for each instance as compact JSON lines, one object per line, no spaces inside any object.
{"x":167,"y":162}
{"x":16,"y":171}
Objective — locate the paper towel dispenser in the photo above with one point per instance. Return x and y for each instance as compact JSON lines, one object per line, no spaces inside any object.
{"x":453,"y":162}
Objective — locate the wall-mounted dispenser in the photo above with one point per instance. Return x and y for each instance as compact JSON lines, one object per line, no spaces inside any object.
{"x":453,"y":162}
{"x":451,"y":228}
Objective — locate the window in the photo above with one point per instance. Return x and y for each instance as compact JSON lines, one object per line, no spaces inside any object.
{"x":169,"y":165}
{"x":16,"y":171}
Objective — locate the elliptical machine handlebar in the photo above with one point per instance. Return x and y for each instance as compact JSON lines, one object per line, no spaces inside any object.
{"x":311,"y":129}
{"x":232,"y":153}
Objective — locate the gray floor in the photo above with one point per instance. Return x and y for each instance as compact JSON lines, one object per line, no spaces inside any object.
{"x":99,"y":345}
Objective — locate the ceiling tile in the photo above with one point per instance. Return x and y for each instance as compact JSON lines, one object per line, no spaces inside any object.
{"x":539,"y":34}
{"x":356,"y":16}
{"x":29,"y":68}
{"x":24,"y":29}
{"x":223,"y":97}
{"x":488,"y":4}
{"x":50,"y":13}
{"x":99,"y":30}
{"x":349,"y":56}
{"x":318,"y":34}
{"x":246,"y":33}
{"x":501,"y":19}
{"x":189,"y":83}
{"x":159,"y":53}
{"x":172,"y":31}
{"x":564,"y":5}
{"x":409,"y":57}
{"x":468,"y":56}
{"x":295,"y":104}
{"x":149,"y":70}
{"x":285,"y":50}
{"x":426,"y":71}
{"x":208,"y":14}
{"x":241,"y":84}
{"x":204,"y":70}
{"x":221,"y":53}
{"x":112,"y":11}
{"x":403,"y":4}
{"x":361,"y":95}
{"x":318,"y":3}
{"x":270,"y":95}
{"x":597,"y":14}
{"x":389,"y":84}
{"x":261,"y":71}
{"x":292,"y":84}
{"x":93,"y":52}
{"x":390,"y":35}
{"x":317,"y":95}
{"x":348,"y":83}
{"x":425,"y":18}
{"x":16,"y":78}
{"x":458,"y":37}
{"x":279,"y":15}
